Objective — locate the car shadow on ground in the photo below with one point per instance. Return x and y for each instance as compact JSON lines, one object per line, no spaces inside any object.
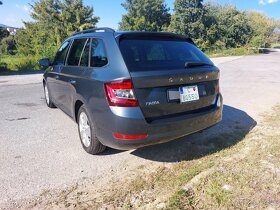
{"x":233,"y":128}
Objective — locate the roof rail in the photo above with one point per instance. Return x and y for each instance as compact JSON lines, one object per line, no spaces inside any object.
{"x":92,"y":30}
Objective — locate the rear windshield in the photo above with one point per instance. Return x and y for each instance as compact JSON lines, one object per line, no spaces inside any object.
{"x":145,"y":55}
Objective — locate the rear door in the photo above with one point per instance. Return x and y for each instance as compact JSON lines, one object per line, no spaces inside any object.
{"x":160,"y":67}
{"x":70,"y":77}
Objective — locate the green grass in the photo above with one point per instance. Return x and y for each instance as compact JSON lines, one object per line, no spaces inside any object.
{"x":19,"y":63}
{"x":232,"y":52}
{"x":275,"y":45}
{"x":247,"y":178}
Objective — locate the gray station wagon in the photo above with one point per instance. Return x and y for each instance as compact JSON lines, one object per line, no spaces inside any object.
{"x":132,"y":89}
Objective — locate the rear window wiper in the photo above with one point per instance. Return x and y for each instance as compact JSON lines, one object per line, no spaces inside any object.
{"x":195,"y":64}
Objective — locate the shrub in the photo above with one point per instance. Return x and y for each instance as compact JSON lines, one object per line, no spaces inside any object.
{"x":8,"y":46}
{"x":232,"y":52}
{"x":3,"y":67}
{"x":27,"y":64}
{"x":14,"y":63}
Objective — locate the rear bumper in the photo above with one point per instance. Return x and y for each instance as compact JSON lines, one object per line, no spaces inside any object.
{"x":158,"y":131}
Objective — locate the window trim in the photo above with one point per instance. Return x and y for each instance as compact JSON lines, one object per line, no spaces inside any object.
{"x":66,"y":59}
{"x":88,"y":39}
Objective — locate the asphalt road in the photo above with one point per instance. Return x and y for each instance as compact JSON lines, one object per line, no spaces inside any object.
{"x":40,"y":148}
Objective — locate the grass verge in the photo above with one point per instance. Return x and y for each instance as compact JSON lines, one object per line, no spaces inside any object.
{"x":275,"y":45}
{"x":17,"y":63}
{"x":248,"y":178}
{"x":232,"y":52}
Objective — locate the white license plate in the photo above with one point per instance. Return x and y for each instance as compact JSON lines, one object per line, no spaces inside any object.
{"x":188,"y":93}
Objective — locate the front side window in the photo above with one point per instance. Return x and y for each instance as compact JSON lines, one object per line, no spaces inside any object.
{"x":98,"y":54}
{"x":76,"y":51}
{"x":61,"y":53}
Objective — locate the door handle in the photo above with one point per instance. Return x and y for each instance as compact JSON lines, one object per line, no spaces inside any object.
{"x":73,"y":82}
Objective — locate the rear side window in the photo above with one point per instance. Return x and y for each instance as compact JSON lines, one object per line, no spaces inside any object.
{"x":98,"y":54}
{"x":76,"y":51}
{"x":61,"y":53}
{"x":152,"y":54}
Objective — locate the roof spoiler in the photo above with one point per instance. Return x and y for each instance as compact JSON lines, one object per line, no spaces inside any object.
{"x":148,"y":35}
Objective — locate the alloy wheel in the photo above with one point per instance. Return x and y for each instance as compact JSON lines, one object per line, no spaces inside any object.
{"x":84,"y":128}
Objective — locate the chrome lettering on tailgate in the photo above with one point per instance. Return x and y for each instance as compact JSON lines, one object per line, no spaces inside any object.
{"x":150,"y":103}
{"x":188,"y":78}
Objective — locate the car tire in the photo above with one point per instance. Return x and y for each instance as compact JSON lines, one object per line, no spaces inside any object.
{"x":87,"y":133}
{"x":48,"y":99}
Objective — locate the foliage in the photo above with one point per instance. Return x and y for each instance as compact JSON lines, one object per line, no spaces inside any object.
{"x":148,"y":15}
{"x":54,"y":20}
{"x":3,"y":33}
{"x":189,"y":18}
{"x":232,"y":52}
{"x":19,"y":63}
{"x":8,"y":45}
{"x":263,"y":29}
{"x":212,"y":26}
{"x":233,"y":28}
{"x":276,"y":45}
{"x":34,"y":41}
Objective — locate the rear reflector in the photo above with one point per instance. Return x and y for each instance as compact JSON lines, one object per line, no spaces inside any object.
{"x":129,"y":137}
{"x":120,"y":93}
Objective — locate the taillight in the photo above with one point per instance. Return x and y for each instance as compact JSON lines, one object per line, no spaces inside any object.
{"x":120,"y":93}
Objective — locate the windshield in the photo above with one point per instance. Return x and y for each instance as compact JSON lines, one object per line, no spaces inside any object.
{"x":144,"y":55}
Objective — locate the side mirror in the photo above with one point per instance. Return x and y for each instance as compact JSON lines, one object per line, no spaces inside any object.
{"x":45,"y":62}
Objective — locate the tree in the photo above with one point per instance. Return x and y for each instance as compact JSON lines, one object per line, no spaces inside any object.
{"x":54,"y":20}
{"x":263,"y":29}
{"x":3,"y":33}
{"x":212,"y":26}
{"x":233,"y":26}
{"x":188,"y":18}
{"x":63,"y":17}
{"x":1,"y":2}
{"x":148,"y":15}
{"x":8,"y":45}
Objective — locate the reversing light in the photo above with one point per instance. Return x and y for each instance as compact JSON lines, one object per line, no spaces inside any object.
{"x":120,"y":93}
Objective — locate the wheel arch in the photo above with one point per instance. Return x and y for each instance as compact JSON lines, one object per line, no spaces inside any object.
{"x":77,"y":106}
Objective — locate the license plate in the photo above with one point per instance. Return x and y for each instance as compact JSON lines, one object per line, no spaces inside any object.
{"x":188,"y":93}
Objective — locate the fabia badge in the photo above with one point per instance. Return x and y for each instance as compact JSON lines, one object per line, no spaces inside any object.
{"x":151,"y":103}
